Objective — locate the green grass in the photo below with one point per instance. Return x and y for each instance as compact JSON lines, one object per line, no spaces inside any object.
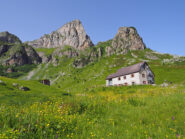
{"x":46,"y":51}
{"x":115,"y":112}
{"x":17,"y":71}
{"x":10,"y":94}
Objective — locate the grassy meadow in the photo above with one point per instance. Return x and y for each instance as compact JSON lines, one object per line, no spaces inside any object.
{"x":116,"y":112}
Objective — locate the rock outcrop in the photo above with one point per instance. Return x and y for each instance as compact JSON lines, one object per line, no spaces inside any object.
{"x":72,"y":34}
{"x":67,"y":51}
{"x":45,"y":58}
{"x":126,"y":39}
{"x":16,"y":55}
{"x":7,"y":37}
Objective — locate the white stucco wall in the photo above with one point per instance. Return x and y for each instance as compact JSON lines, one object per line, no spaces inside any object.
{"x":143,"y":78}
{"x":128,"y":80}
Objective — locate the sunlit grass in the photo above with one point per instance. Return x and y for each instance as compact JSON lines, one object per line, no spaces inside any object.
{"x":115,"y":112}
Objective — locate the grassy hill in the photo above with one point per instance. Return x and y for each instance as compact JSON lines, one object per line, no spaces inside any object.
{"x":65,"y":76}
{"x":11,"y":94}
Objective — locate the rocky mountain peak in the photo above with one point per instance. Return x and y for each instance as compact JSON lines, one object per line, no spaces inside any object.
{"x":73,"y":24}
{"x":7,"y":37}
{"x":126,"y":39}
{"x":72,"y":34}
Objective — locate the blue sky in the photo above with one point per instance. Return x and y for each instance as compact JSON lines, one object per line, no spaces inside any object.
{"x":161,"y":23}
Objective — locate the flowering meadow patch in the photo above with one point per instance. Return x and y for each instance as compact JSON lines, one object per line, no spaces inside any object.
{"x":98,"y":115}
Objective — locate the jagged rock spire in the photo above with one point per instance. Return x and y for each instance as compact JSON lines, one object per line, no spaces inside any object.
{"x":72,"y":34}
{"x":126,"y":39}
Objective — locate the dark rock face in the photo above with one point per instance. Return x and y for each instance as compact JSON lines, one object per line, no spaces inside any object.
{"x":72,"y":34}
{"x":13,"y":52}
{"x":126,"y":39}
{"x":17,"y":55}
{"x":32,"y":55}
{"x":7,"y":37}
{"x":4,"y":48}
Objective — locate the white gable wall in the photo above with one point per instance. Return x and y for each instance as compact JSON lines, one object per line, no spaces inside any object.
{"x":143,"y":78}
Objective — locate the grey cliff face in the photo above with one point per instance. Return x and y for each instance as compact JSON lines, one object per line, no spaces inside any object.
{"x":72,"y":34}
{"x":7,"y":37}
{"x":126,"y":39}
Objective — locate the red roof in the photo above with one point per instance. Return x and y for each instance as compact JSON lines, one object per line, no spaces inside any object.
{"x":127,"y":70}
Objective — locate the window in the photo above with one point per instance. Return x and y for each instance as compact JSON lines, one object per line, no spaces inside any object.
{"x":119,"y":78}
{"x":126,"y":84}
{"x":144,"y":82}
{"x":133,"y":83}
{"x":125,"y":77}
{"x":132,"y":75}
{"x":143,"y":75}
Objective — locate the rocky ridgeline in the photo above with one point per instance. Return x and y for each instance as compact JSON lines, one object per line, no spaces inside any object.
{"x":126,"y":39}
{"x":70,"y":40}
{"x":72,"y":34}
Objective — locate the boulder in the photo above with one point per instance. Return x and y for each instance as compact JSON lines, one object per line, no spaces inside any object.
{"x":164,"y":84}
{"x":23,"y":88}
{"x":151,"y":56}
{"x":15,"y":84}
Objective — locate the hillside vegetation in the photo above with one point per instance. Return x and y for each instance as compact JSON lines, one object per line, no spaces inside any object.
{"x":46,"y":51}
{"x":10,"y":92}
{"x":65,"y":76}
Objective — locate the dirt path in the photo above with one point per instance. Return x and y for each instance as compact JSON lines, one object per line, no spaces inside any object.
{"x":31,"y":73}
